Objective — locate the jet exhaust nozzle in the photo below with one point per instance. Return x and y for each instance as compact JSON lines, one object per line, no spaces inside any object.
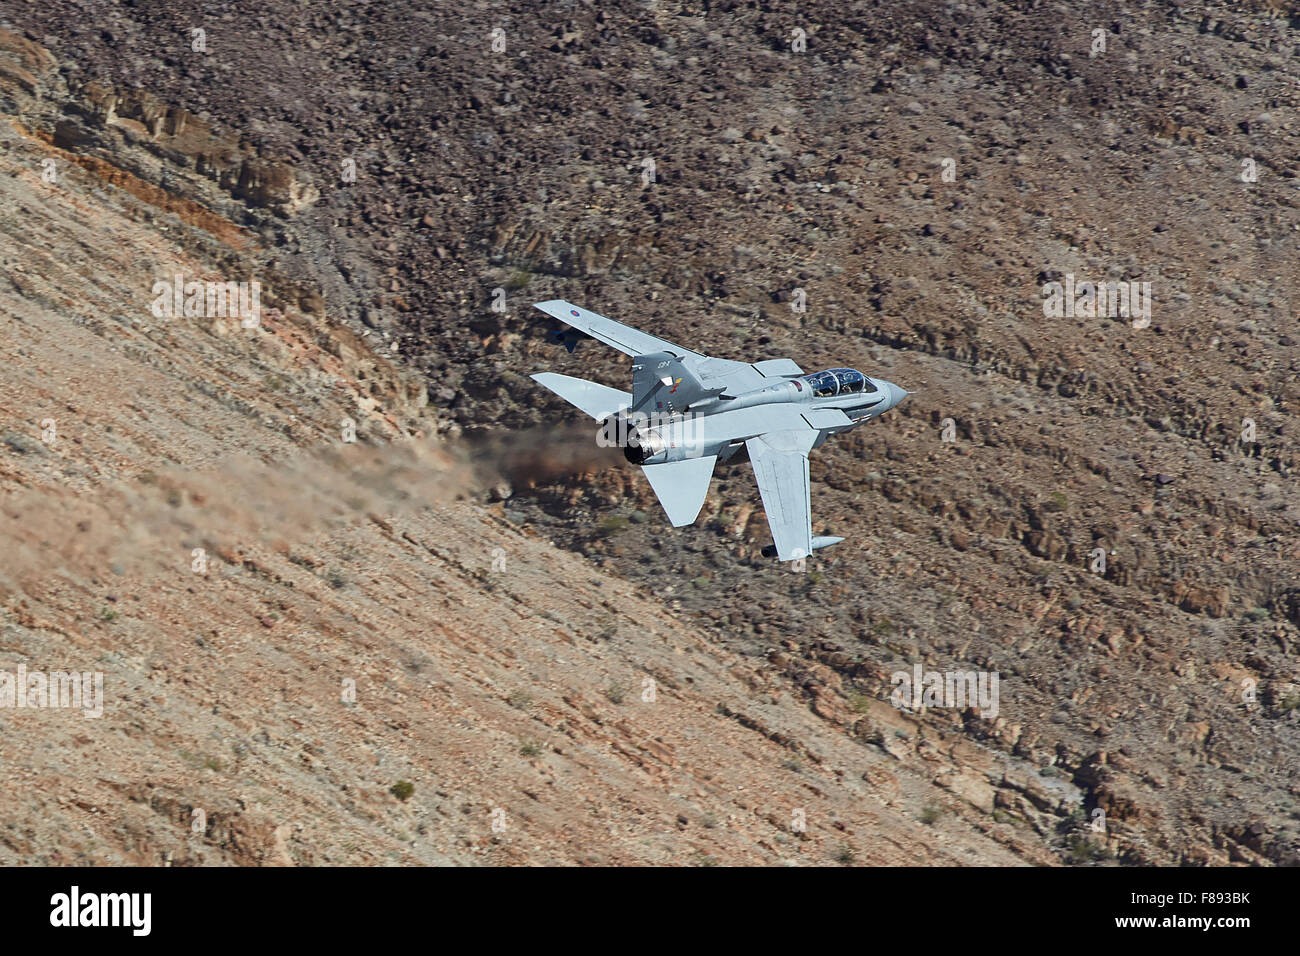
{"x":641,"y":446}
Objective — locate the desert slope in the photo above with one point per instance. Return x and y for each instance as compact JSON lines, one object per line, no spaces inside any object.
{"x":914,"y":174}
{"x":492,"y":671}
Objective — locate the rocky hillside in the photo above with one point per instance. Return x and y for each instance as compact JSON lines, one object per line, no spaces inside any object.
{"x":317,"y":651}
{"x":915,"y":174}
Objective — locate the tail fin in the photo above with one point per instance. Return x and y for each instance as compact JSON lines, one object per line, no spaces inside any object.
{"x":661,"y":384}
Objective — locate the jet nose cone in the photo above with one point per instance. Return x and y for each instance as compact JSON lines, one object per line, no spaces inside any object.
{"x":893,"y":394}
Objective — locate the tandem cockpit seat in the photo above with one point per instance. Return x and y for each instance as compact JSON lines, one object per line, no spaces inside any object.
{"x":838,"y":381}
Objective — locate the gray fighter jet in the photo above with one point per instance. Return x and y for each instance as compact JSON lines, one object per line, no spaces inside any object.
{"x":688,"y":411}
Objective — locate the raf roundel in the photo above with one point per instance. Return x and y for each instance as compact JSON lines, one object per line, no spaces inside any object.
{"x":573,"y":312}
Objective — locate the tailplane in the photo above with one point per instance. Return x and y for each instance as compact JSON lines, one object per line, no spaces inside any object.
{"x":681,"y":487}
{"x":598,"y":401}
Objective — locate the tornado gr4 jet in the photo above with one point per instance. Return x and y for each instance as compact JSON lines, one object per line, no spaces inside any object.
{"x":688,"y":411}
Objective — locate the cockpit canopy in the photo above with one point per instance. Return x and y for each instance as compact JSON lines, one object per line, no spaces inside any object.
{"x":838,"y":381}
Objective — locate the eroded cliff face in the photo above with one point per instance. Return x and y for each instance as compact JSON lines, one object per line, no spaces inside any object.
{"x":1128,"y":690}
{"x":290,"y":628}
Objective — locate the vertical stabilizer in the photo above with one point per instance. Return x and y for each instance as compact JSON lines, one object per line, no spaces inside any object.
{"x":663,"y":385}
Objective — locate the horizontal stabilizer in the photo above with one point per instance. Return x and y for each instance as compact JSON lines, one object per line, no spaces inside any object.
{"x":598,"y":401}
{"x":681,"y":487}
